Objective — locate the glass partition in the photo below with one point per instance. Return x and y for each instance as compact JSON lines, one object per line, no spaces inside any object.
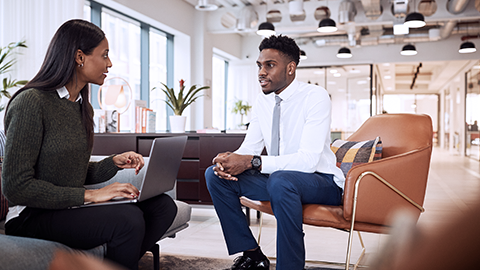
{"x":472,"y":112}
{"x":350,"y":90}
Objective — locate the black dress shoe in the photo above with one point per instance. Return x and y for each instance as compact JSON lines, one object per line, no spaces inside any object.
{"x":244,"y":262}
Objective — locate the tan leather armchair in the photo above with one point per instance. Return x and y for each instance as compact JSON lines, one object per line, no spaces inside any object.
{"x":375,"y":190}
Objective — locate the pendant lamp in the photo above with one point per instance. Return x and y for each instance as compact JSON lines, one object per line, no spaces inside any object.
{"x":327,"y":25}
{"x":266,"y":29}
{"x":415,"y":20}
{"x":408,"y":49}
{"x":303,"y":55}
{"x":344,"y":52}
{"x":467,"y":47}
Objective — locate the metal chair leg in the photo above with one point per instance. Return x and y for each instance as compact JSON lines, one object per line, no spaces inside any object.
{"x":260,"y":227}
{"x":363,"y":251}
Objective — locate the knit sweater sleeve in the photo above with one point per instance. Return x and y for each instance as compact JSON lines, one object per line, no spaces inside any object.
{"x":101,"y":171}
{"x":24,"y":129}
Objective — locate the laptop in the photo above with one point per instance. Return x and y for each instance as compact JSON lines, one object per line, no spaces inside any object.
{"x":160,"y":174}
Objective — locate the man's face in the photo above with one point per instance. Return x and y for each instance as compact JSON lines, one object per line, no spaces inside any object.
{"x":273,"y":71}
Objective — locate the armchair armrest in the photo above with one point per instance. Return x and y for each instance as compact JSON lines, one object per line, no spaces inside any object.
{"x":407,"y":172}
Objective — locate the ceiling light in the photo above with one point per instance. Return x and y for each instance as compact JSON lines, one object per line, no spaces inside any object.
{"x":337,"y":75}
{"x":303,"y":55}
{"x":415,"y":20}
{"x":344,"y":53}
{"x":476,"y":67}
{"x":206,"y":5}
{"x":467,"y":47}
{"x":362,"y":82}
{"x":387,"y":77}
{"x":266,"y":29}
{"x":327,"y":26}
{"x":408,"y":49}
{"x":333,"y":71}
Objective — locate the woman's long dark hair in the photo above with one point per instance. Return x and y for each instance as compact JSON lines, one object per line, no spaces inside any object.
{"x":59,"y":66}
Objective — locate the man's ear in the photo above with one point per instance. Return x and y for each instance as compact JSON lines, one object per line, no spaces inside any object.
{"x":79,"y":57}
{"x":291,"y":67}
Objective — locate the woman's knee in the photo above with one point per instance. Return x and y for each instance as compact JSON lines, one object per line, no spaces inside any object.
{"x":129,"y":219}
{"x":169,"y":206}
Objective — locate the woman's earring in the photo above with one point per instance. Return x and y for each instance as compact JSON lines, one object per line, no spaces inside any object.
{"x":81,"y":65}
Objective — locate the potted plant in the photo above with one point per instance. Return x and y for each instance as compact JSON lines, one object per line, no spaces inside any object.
{"x":242,"y":109}
{"x":179,"y":102}
{"x":5,"y":65}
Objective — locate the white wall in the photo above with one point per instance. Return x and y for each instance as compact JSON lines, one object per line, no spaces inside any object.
{"x":36,"y":23}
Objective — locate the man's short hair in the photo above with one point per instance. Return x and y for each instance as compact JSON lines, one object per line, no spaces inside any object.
{"x":286,"y":45}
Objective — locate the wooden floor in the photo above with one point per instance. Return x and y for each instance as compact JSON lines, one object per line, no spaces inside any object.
{"x":453,"y":186}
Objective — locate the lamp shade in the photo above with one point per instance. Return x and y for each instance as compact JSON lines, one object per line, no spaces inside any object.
{"x":266,"y":29}
{"x":327,"y":25}
{"x":408,"y":49}
{"x":467,"y":47}
{"x":415,"y":20}
{"x":303,"y":55}
{"x":344,"y":53}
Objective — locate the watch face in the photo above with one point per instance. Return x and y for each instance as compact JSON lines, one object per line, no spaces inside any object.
{"x":256,"y":162}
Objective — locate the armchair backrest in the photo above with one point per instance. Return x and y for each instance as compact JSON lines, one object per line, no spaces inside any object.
{"x":400,"y":133}
{"x":407,"y":145}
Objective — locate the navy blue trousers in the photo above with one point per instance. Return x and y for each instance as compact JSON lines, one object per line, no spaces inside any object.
{"x":286,"y":191}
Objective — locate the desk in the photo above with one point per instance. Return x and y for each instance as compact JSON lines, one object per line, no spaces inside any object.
{"x":201,"y":148}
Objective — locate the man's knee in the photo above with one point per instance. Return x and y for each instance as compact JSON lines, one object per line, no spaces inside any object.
{"x":278,"y":184}
{"x":210,"y":176}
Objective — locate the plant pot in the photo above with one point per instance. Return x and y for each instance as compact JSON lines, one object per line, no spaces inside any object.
{"x":177,"y":123}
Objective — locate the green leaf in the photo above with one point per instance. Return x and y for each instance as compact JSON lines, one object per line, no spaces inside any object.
{"x":178,"y":103}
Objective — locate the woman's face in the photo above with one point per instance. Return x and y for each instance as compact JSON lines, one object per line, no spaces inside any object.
{"x":95,"y":66}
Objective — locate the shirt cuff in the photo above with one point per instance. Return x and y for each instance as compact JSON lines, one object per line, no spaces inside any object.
{"x":268,"y":164}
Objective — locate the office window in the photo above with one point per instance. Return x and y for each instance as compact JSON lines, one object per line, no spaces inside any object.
{"x":140,"y":67}
{"x":87,"y":12}
{"x":123,"y":35}
{"x":158,"y":74}
{"x":219,"y":79}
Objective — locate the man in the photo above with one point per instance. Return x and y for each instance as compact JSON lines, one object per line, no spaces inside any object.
{"x":299,"y":169}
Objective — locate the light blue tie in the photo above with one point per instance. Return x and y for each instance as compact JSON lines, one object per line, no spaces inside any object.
{"x":275,"y":149}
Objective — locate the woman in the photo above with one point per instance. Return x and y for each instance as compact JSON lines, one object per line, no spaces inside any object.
{"x":49,"y":128}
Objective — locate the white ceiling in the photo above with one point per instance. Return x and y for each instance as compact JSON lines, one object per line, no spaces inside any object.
{"x":362,"y":31}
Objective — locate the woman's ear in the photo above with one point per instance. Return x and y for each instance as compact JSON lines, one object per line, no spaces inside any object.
{"x":79,"y":57}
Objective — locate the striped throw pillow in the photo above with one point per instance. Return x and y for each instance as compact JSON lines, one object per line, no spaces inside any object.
{"x":350,"y":154}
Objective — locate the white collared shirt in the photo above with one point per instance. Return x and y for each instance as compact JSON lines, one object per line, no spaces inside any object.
{"x":304,"y":131}
{"x":63,"y":93}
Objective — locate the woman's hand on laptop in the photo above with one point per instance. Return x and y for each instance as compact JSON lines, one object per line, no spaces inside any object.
{"x":129,"y":160}
{"x":111,"y":191}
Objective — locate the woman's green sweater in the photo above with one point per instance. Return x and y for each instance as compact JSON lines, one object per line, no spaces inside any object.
{"x":46,"y":161}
